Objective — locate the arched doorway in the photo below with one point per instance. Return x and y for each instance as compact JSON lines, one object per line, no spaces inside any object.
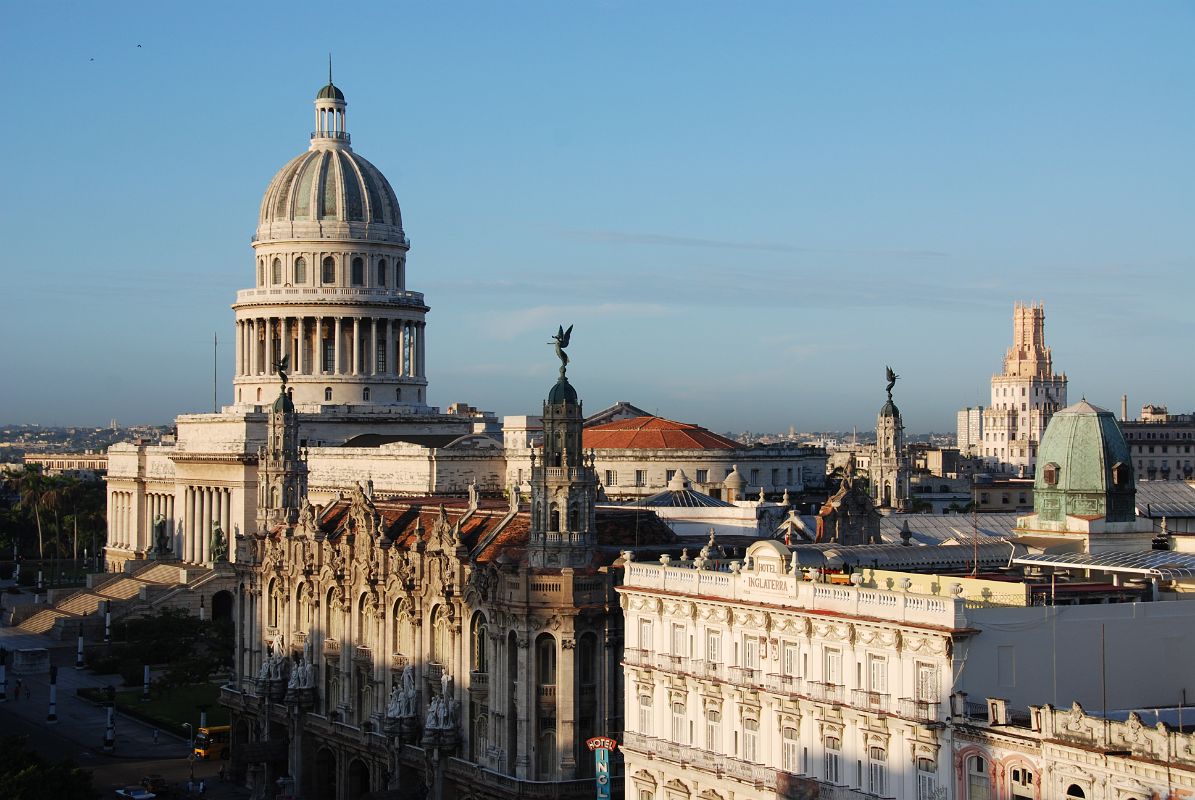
{"x":222,"y":606}
{"x":324,"y":779}
{"x":358,"y":779}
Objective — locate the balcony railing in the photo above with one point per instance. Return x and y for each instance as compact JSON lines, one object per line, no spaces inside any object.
{"x":784,"y":684}
{"x":398,"y":661}
{"x":672,"y":663}
{"x":433,"y":672}
{"x":363,"y":654}
{"x":331,"y":647}
{"x":744,"y":676}
{"x":709,"y":670}
{"x":547,"y":693}
{"x":826,"y":692}
{"x":920,"y":710}
{"x":341,"y":136}
{"x":635,"y":657}
{"x":869,"y":701}
{"x":479,"y":680}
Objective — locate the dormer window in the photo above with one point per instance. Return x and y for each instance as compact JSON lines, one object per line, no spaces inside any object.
{"x":1050,"y":474}
{"x":1121,"y":474}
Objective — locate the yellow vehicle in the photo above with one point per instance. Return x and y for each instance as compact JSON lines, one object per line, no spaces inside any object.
{"x":212,"y":742}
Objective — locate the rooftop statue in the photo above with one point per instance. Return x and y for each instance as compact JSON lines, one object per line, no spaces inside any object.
{"x":561,"y":339}
{"x":892,"y":376}
{"x":281,"y":366}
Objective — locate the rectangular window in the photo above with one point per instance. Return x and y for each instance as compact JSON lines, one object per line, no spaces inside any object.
{"x":645,"y":635}
{"x":877,"y":672}
{"x":750,"y":740}
{"x":611,"y":478}
{"x":679,"y":724}
{"x":927,"y":780}
{"x":713,"y":647}
{"x":640,"y":477}
{"x":669,"y":474}
{"x":713,"y":731}
{"x":775,"y":477}
{"x":645,"y":715}
{"x":789,"y":753}
{"x":381,"y":360}
{"x":329,"y":358}
{"x":755,"y":477}
{"x":790,"y":658}
{"x":789,"y":476}
{"x":927,"y":683}
{"x":751,"y":652}
{"x":703,"y":476}
{"x":832,"y":767}
{"x":680,"y":640}
{"x":832,"y":667}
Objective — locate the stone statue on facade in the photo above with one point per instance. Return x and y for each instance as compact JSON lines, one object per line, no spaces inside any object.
{"x":445,"y":684}
{"x":432,"y":721}
{"x":761,"y":495}
{"x":561,"y":339}
{"x":473,"y":494}
{"x":296,"y":676}
{"x":409,"y":707}
{"x":161,"y":538}
{"x":394,"y":707}
{"x":515,"y":497}
{"x":219,"y":543}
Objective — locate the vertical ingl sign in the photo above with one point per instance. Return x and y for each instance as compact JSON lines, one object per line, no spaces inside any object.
{"x":601,"y":747}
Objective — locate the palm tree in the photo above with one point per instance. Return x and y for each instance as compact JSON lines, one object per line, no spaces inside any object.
{"x":32,"y":485}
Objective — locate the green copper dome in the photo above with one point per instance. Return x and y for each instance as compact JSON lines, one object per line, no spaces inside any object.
{"x":330,"y":92}
{"x":283,"y":403}
{"x":562,"y":392}
{"x":1084,"y":468}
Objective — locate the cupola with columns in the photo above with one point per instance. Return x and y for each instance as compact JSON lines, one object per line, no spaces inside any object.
{"x":330,"y":288}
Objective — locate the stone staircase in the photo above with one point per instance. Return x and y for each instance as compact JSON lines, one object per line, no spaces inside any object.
{"x":138,"y":591}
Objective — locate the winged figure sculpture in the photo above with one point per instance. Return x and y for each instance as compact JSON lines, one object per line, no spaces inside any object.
{"x":561,"y":339}
{"x":281,"y":366}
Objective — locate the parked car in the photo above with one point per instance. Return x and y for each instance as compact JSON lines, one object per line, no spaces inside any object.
{"x":136,"y":793}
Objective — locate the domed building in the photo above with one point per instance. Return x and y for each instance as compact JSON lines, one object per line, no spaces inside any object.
{"x":1084,"y":491}
{"x":330,"y":294}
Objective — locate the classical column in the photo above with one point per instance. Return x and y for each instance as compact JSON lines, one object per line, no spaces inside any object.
{"x":372,"y":366}
{"x":317,"y":347}
{"x":524,"y":707}
{"x":251,"y":335}
{"x":226,"y":522}
{"x":337,"y":361}
{"x":188,"y":524}
{"x":406,"y":349}
{"x":205,"y":523}
{"x":356,"y":346}
{"x":566,"y":686}
{"x":422,"y":350}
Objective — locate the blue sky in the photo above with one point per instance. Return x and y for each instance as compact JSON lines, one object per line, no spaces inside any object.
{"x":747,"y":209}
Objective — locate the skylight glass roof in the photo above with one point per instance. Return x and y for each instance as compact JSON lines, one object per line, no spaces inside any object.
{"x":1162,"y":564}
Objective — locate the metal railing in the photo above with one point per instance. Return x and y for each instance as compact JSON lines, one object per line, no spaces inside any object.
{"x":672,"y":663}
{"x":479,"y":680}
{"x":826,"y":692}
{"x":331,"y":647}
{"x":744,"y":676}
{"x":634,"y":657}
{"x":340,"y":136}
{"x":784,"y":684}
{"x":869,"y":700}
{"x":921,"y":710}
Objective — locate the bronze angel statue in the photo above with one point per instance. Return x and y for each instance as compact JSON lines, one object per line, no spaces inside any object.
{"x":561,"y":339}
{"x":281,"y":366}
{"x":892,"y":376}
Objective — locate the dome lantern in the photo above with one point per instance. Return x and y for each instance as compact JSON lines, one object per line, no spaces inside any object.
{"x":331,"y":116}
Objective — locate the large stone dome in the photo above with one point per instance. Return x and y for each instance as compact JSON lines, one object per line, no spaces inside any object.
{"x":330,"y":184}
{"x":330,"y":192}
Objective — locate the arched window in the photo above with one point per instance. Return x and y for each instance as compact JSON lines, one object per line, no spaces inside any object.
{"x":329,"y":270}
{"x":789,"y":755}
{"x":877,"y":768}
{"x":400,"y":279}
{"x":547,"y":755}
{"x":1075,"y":792}
{"x":554,"y":519}
{"x":327,"y":394}
{"x":480,"y":644}
{"x":833,"y":760}
{"x":979,"y":785}
{"x":365,"y":394}
{"x":259,"y":394}
{"x":382,"y":272}
{"x":398,"y":395}
{"x":300,"y":270}
{"x":358,"y":272}
{"x":441,"y":637}
{"x":272,"y":618}
{"x":276,"y":276}
{"x":545,"y":660}
{"x":574,"y":517}
{"x":261,"y":274}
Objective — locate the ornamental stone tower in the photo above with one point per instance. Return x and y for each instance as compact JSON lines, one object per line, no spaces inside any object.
{"x":282,"y":469}
{"x":890,"y":468}
{"x":563,"y":482}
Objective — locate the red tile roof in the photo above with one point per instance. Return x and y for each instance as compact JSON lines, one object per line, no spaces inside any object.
{"x":654,"y":433}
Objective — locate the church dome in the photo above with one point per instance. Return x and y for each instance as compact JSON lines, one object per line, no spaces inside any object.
{"x":889,"y":410}
{"x":1084,"y":467}
{"x":330,"y":92}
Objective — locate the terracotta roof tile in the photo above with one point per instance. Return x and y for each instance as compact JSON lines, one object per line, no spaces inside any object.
{"x":654,"y":433}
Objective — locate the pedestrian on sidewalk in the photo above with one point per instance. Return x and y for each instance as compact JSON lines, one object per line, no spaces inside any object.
{"x":155,"y":735}
{"x":18,"y":689}
{"x":202,"y":787}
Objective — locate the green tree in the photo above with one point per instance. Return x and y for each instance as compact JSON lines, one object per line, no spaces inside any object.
{"x":25,"y":775}
{"x":31,"y":485}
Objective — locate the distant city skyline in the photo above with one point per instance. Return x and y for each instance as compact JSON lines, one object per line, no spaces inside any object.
{"x":746,"y":211}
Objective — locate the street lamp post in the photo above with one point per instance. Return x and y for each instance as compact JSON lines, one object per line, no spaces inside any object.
{"x":191,"y":748}
{"x":110,"y":725}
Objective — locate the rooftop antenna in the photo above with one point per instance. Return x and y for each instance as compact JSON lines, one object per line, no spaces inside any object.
{"x":329,"y":67}
{"x":215,"y":345}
